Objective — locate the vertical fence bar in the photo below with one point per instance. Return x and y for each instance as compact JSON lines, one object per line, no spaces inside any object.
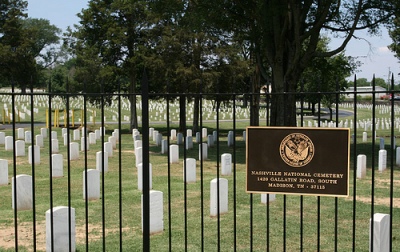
{"x":120,"y":165}
{"x":218,"y":175}
{"x":68,"y":169}
{"x":86,"y":176}
{"x":169,"y":172}
{"x":318,"y":197}
{"x":103,"y":135}
{"x":354,"y":140}
{"x":337,"y":100}
{"x":301,"y":196}
{"x":234,"y":171}
{"x":51,"y":170}
{"x":15,"y":170}
{"x":145,"y":164}
{"x":373,"y":163}
{"x":183,"y":118}
{"x":201,"y":164}
{"x":392,"y":160}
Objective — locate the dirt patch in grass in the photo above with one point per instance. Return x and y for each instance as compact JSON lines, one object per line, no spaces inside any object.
{"x":25,"y":235}
{"x":385,"y":201}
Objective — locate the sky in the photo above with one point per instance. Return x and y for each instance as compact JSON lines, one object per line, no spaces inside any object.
{"x":374,"y":56}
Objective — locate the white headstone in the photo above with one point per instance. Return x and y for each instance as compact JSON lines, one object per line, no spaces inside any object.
{"x":361,"y":166}
{"x":215,"y":136}
{"x":43,"y":132}
{"x":203,"y":151}
{"x":218,"y":185}
{"x":20,"y":133}
{"x":140,"y":176}
{"x":381,"y":143}
{"x":398,"y":156}
{"x":8,"y":145}
{"x":116,"y":134}
{"x":3,"y":172}
{"x":28,"y":137}
{"x":164,"y":146}
{"x":173,"y":153}
{"x":198,"y":140}
{"x":76,"y":134}
{"x":179,"y":138}
{"x":57,"y":162}
{"x":382,"y":160}
{"x":210,"y":140}
{"x":64,"y":131}
{"x":92,"y":138}
{"x":267,"y":197}
{"x":73,"y":151}
{"x":20,"y":148}
{"x":100,"y":158}
{"x":65,"y":137}
{"x":113,"y":142}
{"x":98,"y":134}
{"x":173,"y":134}
{"x":54,"y":146}
{"x":53,"y":134}
{"x":83,"y":144}
{"x":2,"y":137}
{"x":364,"y":137}
{"x":23,"y":184}
{"x":158,"y":139}
{"x":39,"y":141}
{"x":190,"y":170}
{"x":108,"y":148}
{"x":156,"y":212}
{"x":204,"y":132}
{"x":189,"y":132}
{"x":154,"y":136}
{"x":138,"y":143}
{"x":189,"y":142}
{"x":93,"y":184}
{"x":138,"y":155}
{"x":62,"y":224}
{"x":226,"y":164}
{"x":230,"y":138}
{"x":34,"y":153}
{"x":380,"y":232}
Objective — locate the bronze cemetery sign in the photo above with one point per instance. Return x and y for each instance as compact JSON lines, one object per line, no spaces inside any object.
{"x":289,"y":160}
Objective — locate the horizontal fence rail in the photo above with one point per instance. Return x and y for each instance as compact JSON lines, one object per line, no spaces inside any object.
{"x":75,"y":176}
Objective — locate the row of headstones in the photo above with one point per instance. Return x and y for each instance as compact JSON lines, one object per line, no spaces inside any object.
{"x":382,"y":162}
{"x":74,"y":147}
{"x":157,"y":137}
{"x":61,"y":232}
{"x":64,"y":227}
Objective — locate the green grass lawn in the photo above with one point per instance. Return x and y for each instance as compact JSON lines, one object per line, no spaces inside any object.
{"x":278,"y":225}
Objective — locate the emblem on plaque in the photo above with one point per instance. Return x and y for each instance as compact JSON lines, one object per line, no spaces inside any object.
{"x":297,"y":150}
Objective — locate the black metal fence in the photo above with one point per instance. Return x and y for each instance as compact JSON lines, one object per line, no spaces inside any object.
{"x":104,"y":201}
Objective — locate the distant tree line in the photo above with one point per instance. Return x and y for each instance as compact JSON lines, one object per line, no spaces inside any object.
{"x":189,"y":46}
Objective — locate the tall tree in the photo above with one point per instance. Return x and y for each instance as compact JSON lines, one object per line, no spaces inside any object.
{"x":109,"y":45}
{"x":16,"y":63}
{"x":285,"y":35}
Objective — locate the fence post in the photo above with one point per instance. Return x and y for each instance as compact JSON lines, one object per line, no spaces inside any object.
{"x":145,"y":162}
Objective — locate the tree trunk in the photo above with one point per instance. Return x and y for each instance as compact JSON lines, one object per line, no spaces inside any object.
{"x":132,"y":99}
{"x":196,"y":114}
{"x":182,"y":113}
{"x":255,"y":99}
{"x":283,"y":100}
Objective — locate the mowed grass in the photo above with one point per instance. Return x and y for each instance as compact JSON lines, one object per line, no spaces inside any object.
{"x":290,"y":222}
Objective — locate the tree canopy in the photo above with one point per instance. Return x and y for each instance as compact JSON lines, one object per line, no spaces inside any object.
{"x":22,"y":44}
